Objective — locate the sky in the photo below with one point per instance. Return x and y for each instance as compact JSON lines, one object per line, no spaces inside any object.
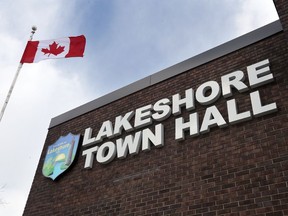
{"x":126,"y":40}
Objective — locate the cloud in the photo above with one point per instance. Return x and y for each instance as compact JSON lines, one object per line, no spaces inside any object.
{"x":251,"y":16}
{"x":42,"y":91}
{"x":143,"y":37}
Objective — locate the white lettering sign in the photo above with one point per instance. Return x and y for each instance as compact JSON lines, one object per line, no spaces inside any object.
{"x":206,"y":94}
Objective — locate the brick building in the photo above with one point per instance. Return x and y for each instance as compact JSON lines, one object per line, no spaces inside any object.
{"x":207,"y":136}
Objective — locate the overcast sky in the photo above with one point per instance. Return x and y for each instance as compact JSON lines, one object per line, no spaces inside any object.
{"x":127,"y":40}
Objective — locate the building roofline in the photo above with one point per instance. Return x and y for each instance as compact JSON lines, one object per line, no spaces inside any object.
{"x":205,"y":57}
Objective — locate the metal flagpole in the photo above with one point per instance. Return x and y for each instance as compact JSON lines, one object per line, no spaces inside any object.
{"x":34,"y":28}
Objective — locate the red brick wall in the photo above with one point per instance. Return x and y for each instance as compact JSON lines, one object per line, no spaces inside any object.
{"x":241,"y":169}
{"x":282,"y":8}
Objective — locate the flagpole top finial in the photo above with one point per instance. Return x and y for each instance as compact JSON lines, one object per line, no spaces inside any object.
{"x":34,"y":28}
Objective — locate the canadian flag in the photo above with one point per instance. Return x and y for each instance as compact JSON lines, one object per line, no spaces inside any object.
{"x":36,"y":51}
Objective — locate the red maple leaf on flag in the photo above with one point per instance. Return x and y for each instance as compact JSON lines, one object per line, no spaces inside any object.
{"x":54,"y":49}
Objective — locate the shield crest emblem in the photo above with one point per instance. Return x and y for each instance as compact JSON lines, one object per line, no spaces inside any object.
{"x":60,"y":155}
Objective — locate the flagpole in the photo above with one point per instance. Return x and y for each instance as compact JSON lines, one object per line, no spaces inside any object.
{"x":34,"y":28}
